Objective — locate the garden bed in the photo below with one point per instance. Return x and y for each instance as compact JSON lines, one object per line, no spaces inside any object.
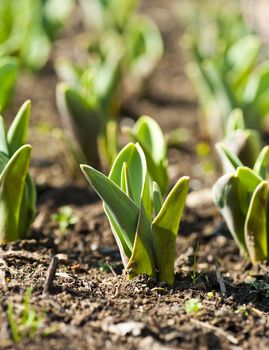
{"x":91,"y":305}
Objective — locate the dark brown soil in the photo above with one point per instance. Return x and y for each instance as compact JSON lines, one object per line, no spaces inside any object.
{"x":93,"y":306}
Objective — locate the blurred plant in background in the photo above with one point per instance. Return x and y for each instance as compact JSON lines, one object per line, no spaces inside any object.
{"x":88,"y":102}
{"x":245,"y":143}
{"x":8,"y":76}
{"x":136,"y":34}
{"x":225,"y":67}
{"x":28,"y":28}
{"x":123,"y":47}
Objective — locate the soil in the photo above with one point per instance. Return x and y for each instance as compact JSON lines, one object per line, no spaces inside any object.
{"x":91,"y":305}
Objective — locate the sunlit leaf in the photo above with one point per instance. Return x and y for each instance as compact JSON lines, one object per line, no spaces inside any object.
{"x":11,"y":196}
{"x":256,"y":224}
{"x":165,"y":228}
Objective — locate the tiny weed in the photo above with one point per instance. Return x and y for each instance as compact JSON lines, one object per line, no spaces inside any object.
{"x":105,"y":267}
{"x":65,"y":218}
{"x":194,"y":274}
{"x":193,"y":305}
{"x":27,"y":323}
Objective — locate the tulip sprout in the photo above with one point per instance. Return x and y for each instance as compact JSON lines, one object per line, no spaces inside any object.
{"x":145,"y":227}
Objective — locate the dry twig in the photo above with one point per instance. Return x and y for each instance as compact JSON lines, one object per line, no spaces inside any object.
{"x":50,"y":274}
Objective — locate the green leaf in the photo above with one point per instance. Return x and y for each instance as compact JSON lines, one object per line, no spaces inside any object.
{"x":8,"y":76}
{"x":157,"y":198}
{"x":3,"y":137}
{"x":121,"y":208}
{"x":107,"y":80}
{"x":248,"y":182}
{"x":150,"y":137}
{"x":261,"y":164}
{"x":248,"y":178}
{"x":28,"y":207}
{"x":229,"y":160}
{"x":17,"y":132}
{"x":242,"y":56}
{"x":134,"y":158}
{"x":11,"y":196}
{"x":226,"y":194}
{"x":142,"y":259}
{"x":256,"y":224}
{"x":245,"y":144}
{"x":80,"y":120}
{"x":165,"y":228}
{"x":256,"y":92}
{"x":235,"y":121}
{"x":125,"y":181}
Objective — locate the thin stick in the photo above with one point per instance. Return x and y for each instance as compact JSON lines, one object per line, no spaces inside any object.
{"x":217,"y":330}
{"x":50,"y":275}
{"x":220,"y":281}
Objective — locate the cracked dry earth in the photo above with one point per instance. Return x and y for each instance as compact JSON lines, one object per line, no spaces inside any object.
{"x":91,"y":305}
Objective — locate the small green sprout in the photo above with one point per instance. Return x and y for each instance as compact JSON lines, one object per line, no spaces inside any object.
{"x":27,"y":324}
{"x":17,"y":190}
{"x":242,"y":197}
{"x":88,"y":106}
{"x":65,"y":218}
{"x":148,"y":134}
{"x":193,"y":305}
{"x":145,"y":227}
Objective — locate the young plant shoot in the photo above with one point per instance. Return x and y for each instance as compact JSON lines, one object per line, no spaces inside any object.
{"x":87,"y":102}
{"x":145,"y":227}
{"x":245,"y":143}
{"x":148,"y":134}
{"x":17,"y":190}
{"x":242,"y":198}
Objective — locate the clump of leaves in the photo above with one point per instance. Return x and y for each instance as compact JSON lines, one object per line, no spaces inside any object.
{"x":224,"y":86}
{"x":193,"y":305}
{"x":227,"y":74}
{"x":30,"y":36}
{"x":27,"y":323}
{"x":123,"y":47}
{"x":65,"y":218}
{"x":242,"y":197}
{"x":145,"y":227}
{"x":17,"y":190}
{"x":148,"y":134}
{"x":136,"y":35}
{"x":88,"y":104}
